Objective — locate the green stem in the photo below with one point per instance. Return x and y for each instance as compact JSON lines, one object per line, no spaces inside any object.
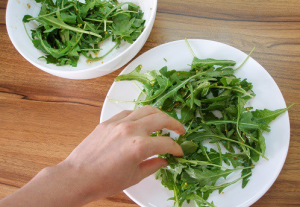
{"x":205,"y":153}
{"x":90,"y":49}
{"x":197,"y":162}
{"x":27,"y":31}
{"x":135,"y":105}
{"x":98,"y":20}
{"x":99,"y":58}
{"x":187,"y":129}
{"x":238,"y":120}
{"x":192,"y":131}
{"x":117,"y":7}
{"x":62,"y":25}
{"x":209,"y":187}
{"x":91,"y":28}
{"x":245,"y":59}
{"x":220,"y":152}
{"x":189,"y":46}
{"x":58,"y":14}
{"x":45,"y":15}
{"x":202,"y":200}
{"x":200,"y":86}
{"x":241,"y":91}
{"x":42,"y":43}
{"x":139,"y":88}
{"x":231,"y":140}
{"x":157,"y":104}
{"x":175,"y":195}
{"x":234,"y":155}
{"x":238,"y":130}
{"x":77,"y":40}
{"x":121,"y":12}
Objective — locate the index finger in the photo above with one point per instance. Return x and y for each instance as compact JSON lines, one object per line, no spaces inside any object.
{"x":142,"y":112}
{"x":159,"y":121}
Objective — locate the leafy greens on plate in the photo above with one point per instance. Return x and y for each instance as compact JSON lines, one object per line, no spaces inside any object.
{"x":211,"y":102}
{"x":68,"y":28}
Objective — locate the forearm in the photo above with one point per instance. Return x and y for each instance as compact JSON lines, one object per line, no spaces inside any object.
{"x":112,"y":158}
{"x":53,"y":186}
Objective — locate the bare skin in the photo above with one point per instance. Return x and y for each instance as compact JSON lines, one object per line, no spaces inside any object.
{"x":110,"y":159}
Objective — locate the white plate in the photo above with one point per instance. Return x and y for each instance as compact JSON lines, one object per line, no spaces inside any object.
{"x":149,"y":192}
{"x":16,"y":9}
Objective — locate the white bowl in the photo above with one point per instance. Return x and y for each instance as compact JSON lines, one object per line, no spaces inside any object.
{"x":15,"y":11}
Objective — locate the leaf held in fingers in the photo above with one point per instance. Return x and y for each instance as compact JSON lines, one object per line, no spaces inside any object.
{"x":188,"y":147}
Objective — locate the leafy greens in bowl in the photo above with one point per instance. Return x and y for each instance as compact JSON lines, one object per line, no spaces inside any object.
{"x":69,"y":28}
{"x":79,"y":39}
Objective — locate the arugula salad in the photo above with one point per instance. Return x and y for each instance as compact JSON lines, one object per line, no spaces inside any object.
{"x":69,"y":28}
{"x":210,"y":101}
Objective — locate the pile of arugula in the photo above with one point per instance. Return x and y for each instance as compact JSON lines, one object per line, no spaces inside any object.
{"x":68,"y":28}
{"x":211,"y":102}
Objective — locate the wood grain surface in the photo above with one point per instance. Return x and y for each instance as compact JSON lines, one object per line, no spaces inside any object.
{"x":42,"y":117}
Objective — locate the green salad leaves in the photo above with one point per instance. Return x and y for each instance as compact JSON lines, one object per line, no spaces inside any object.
{"x":211,"y":102}
{"x":68,"y":28}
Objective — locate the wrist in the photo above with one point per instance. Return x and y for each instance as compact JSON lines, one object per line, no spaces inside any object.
{"x":58,"y":186}
{"x":67,"y":183}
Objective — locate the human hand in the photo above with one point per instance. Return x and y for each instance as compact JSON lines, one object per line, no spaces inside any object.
{"x":112,"y":157}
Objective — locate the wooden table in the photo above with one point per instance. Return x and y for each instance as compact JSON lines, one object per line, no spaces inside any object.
{"x":42,"y":117}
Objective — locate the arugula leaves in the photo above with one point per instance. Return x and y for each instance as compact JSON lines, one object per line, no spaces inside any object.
{"x":68,"y":29}
{"x":210,"y":101}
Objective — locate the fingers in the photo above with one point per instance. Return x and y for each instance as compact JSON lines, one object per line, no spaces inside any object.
{"x":142,"y":112}
{"x":158,"y":145}
{"x":119,"y":116}
{"x":159,"y":121}
{"x":149,"y":119}
{"x":150,"y":166}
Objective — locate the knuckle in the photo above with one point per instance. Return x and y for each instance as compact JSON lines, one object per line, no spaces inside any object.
{"x":126,"y":112}
{"x":165,"y":116}
{"x":126,"y":128}
{"x":150,"y":108}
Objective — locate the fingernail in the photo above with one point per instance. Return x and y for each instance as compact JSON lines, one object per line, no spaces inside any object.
{"x":182,"y":131}
{"x":164,"y":165}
